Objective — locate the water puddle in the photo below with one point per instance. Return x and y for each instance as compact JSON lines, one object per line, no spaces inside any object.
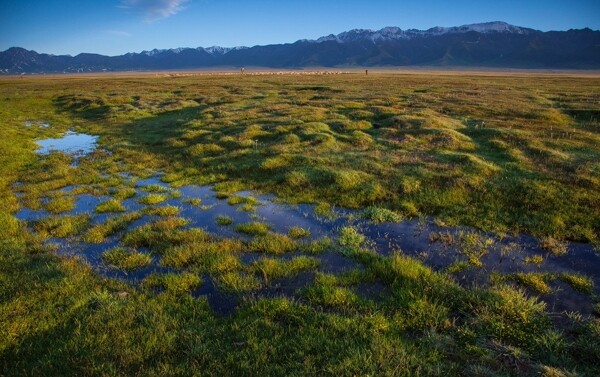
{"x":72,"y":143}
{"x":416,"y":238}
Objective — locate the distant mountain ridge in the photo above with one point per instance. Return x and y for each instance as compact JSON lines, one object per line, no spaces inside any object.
{"x":491,"y":44}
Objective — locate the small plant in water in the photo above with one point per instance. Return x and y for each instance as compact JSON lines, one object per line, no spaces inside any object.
{"x":126,"y":259}
{"x":224,"y":220}
{"x":61,"y":204}
{"x":554,"y":246}
{"x":298,"y":232}
{"x":381,"y":215}
{"x":111,"y":205}
{"x":193,"y":201}
{"x":273,"y":243}
{"x":152,"y":199}
{"x":535,"y":259}
{"x":350,"y":240}
{"x":253,"y":228}
{"x":162,"y":211}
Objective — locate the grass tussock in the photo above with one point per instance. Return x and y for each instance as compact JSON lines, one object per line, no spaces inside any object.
{"x":111,"y":205}
{"x":99,"y":232}
{"x":62,"y":226}
{"x":152,"y":199}
{"x":126,"y":259}
{"x":253,"y":228}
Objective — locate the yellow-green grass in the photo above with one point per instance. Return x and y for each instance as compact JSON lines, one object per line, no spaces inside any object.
{"x":99,"y":232}
{"x":253,"y":228}
{"x":173,"y":283}
{"x":111,"y":205}
{"x":273,"y":243}
{"x":62,"y":226}
{"x":224,"y":220}
{"x":298,"y":232}
{"x":152,"y":199}
{"x":272,"y":268}
{"x":126,"y":259}
{"x":499,"y":152}
{"x":60,"y":204}
{"x":162,"y":211}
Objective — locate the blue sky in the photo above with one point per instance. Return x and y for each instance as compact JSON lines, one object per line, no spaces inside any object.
{"x":114,"y":27}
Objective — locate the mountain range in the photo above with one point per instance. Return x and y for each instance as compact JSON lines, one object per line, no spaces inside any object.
{"x":491,"y":44}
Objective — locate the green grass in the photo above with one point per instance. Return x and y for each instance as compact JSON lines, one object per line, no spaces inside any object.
{"x":553,"y":246}
{"x":350,"y":240}
{"x":111,"y":205}
{"x":99,"y":232}
{"x":224,"y":220}
{"x":155,"y":188}
{"x":578,"y":282}
{"x":381,"y":215}
{"x":298,"y":232}
{"x":62,"y":226}
{"x":272,"y":268}
{"x":507,"y":153}
{"x":193,"y":201}
{"x":60,"y":204}
{"x":273,"y":243}
{"x":176,"y":284}
{"x":237,"y":282}
{"x":152,"y":199}
{"x":126,"y":259}
{"x":253,"y":228}
{"x":317,"y":246}
{"x":163,"y":211}
{"x":124,"y":193}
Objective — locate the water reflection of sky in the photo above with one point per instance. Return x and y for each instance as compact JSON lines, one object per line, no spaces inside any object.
{"x":72,"y":142}
{"x":411,"y":237}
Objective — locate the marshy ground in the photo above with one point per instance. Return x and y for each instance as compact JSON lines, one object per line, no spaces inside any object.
{"x":393,"y":224}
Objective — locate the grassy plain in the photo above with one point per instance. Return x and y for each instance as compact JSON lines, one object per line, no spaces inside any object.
{"x":508,"y":153}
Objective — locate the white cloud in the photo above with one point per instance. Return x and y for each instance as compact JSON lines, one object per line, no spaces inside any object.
{"x":154,"y":9}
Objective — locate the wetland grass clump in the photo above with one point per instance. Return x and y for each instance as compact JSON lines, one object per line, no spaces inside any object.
{"x":99,"y":232}
{"x":578,"y":282}
{"x":152,"y":199}
{"x":155,"y":188}
{"x":331,"y":296}
{"x":254,"y":228}
{"x":126,"y":259}
{"x":164,"y":211}
{"x":273,"y":268}
{"x":534,"y":259}
{"x":111,"y":205}
{"x":237,"y":282}
{"x":350,"y":240}
{"x":204,"y":253}
{"x":173,"y":283}
{"x":381,"y":215}
{"x":124,"y":193}
{"x":272,"y":243}
{"x":62,"y":226}
{"x":159,"y":234}
{"x":60,"y":204}
{"x":193,"y":201}
{"x":553,"y":246}
{"x":224,"y":220}
{"x":317,"y":246}
{"x":297,"y":232}
{"x":535,"y":281}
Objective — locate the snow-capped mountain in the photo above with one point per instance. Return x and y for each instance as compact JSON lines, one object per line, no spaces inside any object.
{"x":491,"y":44}
{"x":395,"y":33}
